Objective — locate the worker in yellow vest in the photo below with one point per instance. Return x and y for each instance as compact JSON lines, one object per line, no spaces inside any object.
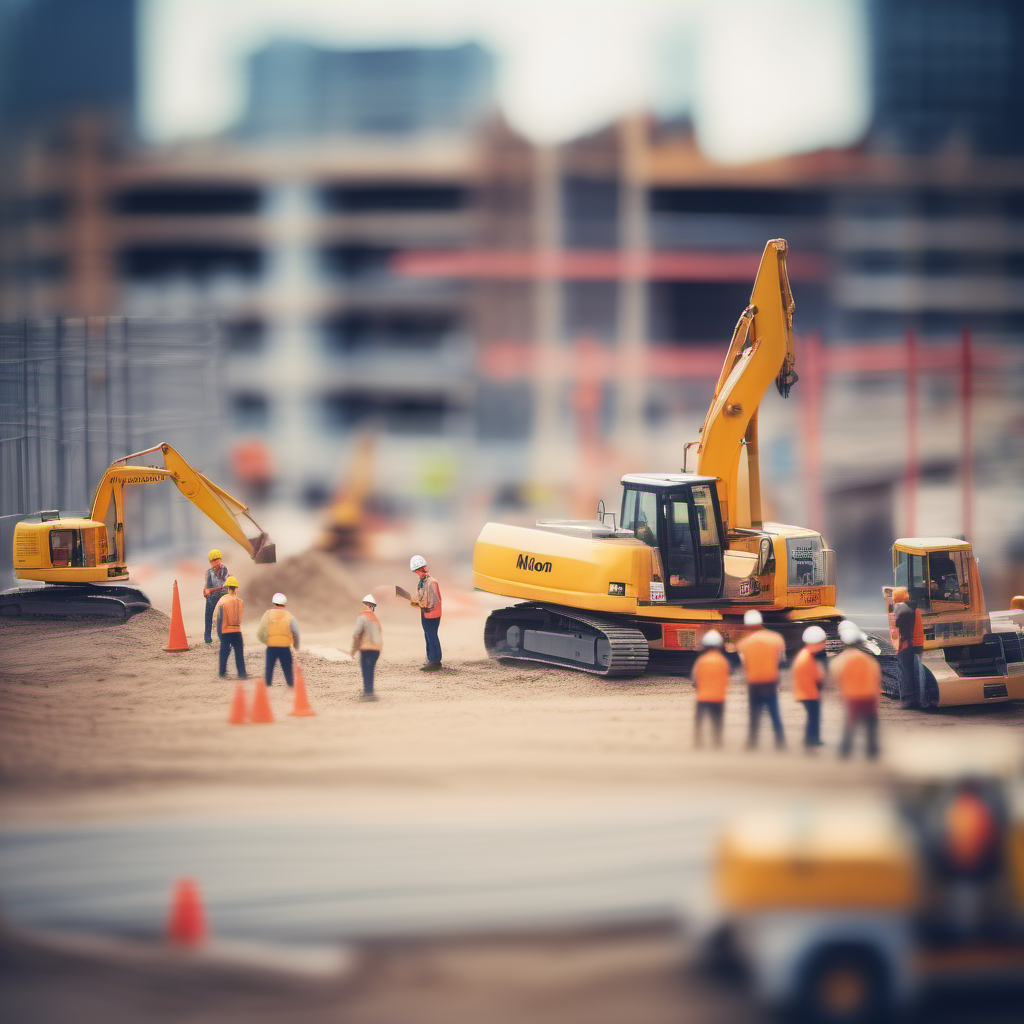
{"x":808,"y":675}
{"x":368,"y":640}
{"x":228,"y":617}
{"x":280,"y":632}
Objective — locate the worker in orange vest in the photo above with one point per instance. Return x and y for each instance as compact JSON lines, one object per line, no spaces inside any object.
{"x":910,"y":629}
{"x":710,"y":675}
{"x":860,"y":684}
{"x":809,"y":670}
{"x":761,"y":654}
{"x":228,"y":617}
{"x":279,"y":631}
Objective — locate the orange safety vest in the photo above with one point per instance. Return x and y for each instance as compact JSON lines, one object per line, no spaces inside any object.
{"x":711,"y":676}
{"x":230,"y":614}
{"x":428,"y":589}
{"x":761,"y":653}
{"x":860,"y":677}
{"x":279,"y":628}
{"x":970,"y":831}
{"x":808,"y":673}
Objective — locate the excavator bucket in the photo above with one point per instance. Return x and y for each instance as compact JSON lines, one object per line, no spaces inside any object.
{"x":263,"y":551}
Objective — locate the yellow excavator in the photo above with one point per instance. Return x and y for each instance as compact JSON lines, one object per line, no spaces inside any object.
{"x":80,"y":559}
{"x":690,"y":551}
{"x":971,"y":655}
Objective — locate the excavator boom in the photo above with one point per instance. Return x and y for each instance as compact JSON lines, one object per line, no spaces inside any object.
{"x":761,"y":350}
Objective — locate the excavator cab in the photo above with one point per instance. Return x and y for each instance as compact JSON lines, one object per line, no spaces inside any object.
{"x":678,"y":515}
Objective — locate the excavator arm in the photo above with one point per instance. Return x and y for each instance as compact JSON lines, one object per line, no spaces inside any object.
{"x":224,"y":509}
{"x":761,"y":350}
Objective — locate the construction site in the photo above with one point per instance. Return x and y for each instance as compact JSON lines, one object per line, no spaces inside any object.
{"x":586,"y":384}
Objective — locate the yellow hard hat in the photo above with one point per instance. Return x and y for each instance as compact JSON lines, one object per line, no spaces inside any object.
{"x":215,"y":553}
{"x":231,"y":581}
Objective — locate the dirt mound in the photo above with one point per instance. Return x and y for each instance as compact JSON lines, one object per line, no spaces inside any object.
{"x":320,"y":590}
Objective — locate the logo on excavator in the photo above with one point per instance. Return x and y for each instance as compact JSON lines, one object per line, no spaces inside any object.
{"x":532,"y":564}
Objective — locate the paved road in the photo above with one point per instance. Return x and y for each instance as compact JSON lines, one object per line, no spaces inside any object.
{"x":305,"y":880}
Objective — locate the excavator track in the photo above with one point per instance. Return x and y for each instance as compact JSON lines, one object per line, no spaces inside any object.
{"x":565,"y":638}
{"x":65,"y":601}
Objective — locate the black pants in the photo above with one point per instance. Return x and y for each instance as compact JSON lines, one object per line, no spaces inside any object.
{"x":368,"y":662}
{"x":764,"y":697}
{"x":812,"y":730}
{"x":275,"y":655}
{"x":228,"y":642}
{"x":714,"y":710}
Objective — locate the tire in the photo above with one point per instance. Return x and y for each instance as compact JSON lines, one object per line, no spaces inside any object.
{"x":929,"y":690}
{"x":843,"y":985}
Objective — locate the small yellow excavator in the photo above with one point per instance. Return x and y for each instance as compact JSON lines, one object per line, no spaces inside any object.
{"x":690,"y":551}
{"x":81,"y":559}
{"x":971,"y":655}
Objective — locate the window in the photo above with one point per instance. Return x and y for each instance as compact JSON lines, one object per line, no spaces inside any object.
{"x":806,"y":560}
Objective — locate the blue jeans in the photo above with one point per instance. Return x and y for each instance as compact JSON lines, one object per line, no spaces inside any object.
{"x":228,"y":642}
{"x":368,"y":662}
{"x":275,"y":655}
{"x":211,"y":605}
{"x":430,"y":627}
{"x":764,"y":696}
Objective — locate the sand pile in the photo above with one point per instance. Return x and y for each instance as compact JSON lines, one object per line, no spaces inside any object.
{"x":321,"y":592}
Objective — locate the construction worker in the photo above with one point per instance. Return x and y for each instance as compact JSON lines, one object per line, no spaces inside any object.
{"x":280,"y":632}
{"x":860,"y":684}
{"x":761,"y":654}
{"x":710,"y":675}
{"x":368,"y":640}
{"x":428,"y":600}
{"x":907,"y":618}
{"x":228,"y":617}
{"x":809,"y":670}
{"x":214,"y":588}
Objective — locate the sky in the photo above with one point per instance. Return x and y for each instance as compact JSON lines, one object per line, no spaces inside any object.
{"x":760,"y":78}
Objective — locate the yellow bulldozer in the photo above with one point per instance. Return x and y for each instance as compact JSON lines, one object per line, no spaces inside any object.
{"x":80,"y":561}
{"x":971,"y":655}
{"x":689,"y":551}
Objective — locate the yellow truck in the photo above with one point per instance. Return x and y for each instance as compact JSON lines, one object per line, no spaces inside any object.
{"x":971,"y":655}
{"x":688,"y":552}
{"x":849,"y":912}
{"x":82,"y":561}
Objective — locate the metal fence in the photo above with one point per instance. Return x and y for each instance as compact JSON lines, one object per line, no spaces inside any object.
{"x":75,"y":394}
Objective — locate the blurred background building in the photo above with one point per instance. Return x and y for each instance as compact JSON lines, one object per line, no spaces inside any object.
{"x":377,"y":252}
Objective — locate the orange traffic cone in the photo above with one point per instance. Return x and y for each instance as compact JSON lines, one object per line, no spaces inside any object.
{"x":187,"y":923}
{"x":300,"y":708}
{"x":239,"y":714}
{"x":260,"y":710}
{"x":176,"y":641}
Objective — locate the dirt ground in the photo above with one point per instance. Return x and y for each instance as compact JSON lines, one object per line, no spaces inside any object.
{"x":100,"y":722}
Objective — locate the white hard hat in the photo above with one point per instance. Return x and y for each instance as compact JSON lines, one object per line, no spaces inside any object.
{"x":752,"y":617}
{"x":712,"y":638}
{"x":279,"y":599}
{"x":814,"y":635}
{"x":417,"y":562}
{"x":849,"y":632}
{"x":370,"y":599}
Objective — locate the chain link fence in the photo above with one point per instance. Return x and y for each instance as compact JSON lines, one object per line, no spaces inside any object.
{"x":76,"y":394}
